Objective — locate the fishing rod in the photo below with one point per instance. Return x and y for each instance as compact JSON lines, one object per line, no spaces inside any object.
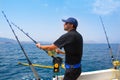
{"x":109,"y":46}
{"x":31,"y":38}
{"x":25,"y":33}
{"x":56,"y":60}
{"x":29,"y":62}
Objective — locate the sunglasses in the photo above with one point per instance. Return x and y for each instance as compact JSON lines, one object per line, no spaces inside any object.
{"x":67,"y":23}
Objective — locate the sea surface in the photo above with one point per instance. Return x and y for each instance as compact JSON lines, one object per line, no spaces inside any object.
{"x":95,"y":57}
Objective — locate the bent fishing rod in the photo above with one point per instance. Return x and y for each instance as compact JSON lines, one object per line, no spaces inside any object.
{"x":29,"y":62}
{"x":31,"y":38}
{"x":109,"y":46}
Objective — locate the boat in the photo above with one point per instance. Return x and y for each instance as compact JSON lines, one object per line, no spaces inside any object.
{"x":108,"y":74}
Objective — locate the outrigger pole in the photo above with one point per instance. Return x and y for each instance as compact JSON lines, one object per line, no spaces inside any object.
{"x":29,"y":62}
{"x":111,"y":54}
{"x":31,"y":38}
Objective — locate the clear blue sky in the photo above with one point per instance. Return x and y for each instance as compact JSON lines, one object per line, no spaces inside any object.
{"x":42,"y":18}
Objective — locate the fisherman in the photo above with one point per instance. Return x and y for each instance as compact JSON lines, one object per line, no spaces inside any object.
{"x":72,"y":42}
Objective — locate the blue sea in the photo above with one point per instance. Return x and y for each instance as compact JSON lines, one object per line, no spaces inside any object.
{"x":95,"y":57}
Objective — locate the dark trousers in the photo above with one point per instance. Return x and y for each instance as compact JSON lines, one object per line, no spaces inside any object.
{"x":72,"y":73}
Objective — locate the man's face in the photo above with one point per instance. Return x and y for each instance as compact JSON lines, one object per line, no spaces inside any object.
{"x":68,"y":26}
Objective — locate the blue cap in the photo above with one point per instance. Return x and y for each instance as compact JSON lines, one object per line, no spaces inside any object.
{"x":71,"y":20}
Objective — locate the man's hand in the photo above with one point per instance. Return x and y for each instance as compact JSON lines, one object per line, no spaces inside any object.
{"x":38,"y":45}
{"x":59,"y":51}
{"x":46,"y":47}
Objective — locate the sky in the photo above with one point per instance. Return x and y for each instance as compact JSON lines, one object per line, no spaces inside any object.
{"x":41,"y":19}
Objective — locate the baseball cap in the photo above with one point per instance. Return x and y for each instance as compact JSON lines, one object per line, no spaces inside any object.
{"x":71,"y":20}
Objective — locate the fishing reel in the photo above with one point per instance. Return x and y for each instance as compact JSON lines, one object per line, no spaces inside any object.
{"x":57,"y":61}
{"x":116,"y":63}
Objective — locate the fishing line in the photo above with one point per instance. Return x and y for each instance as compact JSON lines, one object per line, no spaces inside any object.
{"x":109,"y":46}
{"x":30,"y":63}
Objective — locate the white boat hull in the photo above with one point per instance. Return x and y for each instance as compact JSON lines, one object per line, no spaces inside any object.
{"x":108,"y":74}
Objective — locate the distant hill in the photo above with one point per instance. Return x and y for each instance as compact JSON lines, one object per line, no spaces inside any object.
{"x":41,"y":42}
{"x":6,"y":40}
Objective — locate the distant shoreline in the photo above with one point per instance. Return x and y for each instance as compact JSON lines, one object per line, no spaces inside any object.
{"x":8,"y":40}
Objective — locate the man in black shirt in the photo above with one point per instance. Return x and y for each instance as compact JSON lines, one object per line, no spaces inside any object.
{"x":72,"y":42}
